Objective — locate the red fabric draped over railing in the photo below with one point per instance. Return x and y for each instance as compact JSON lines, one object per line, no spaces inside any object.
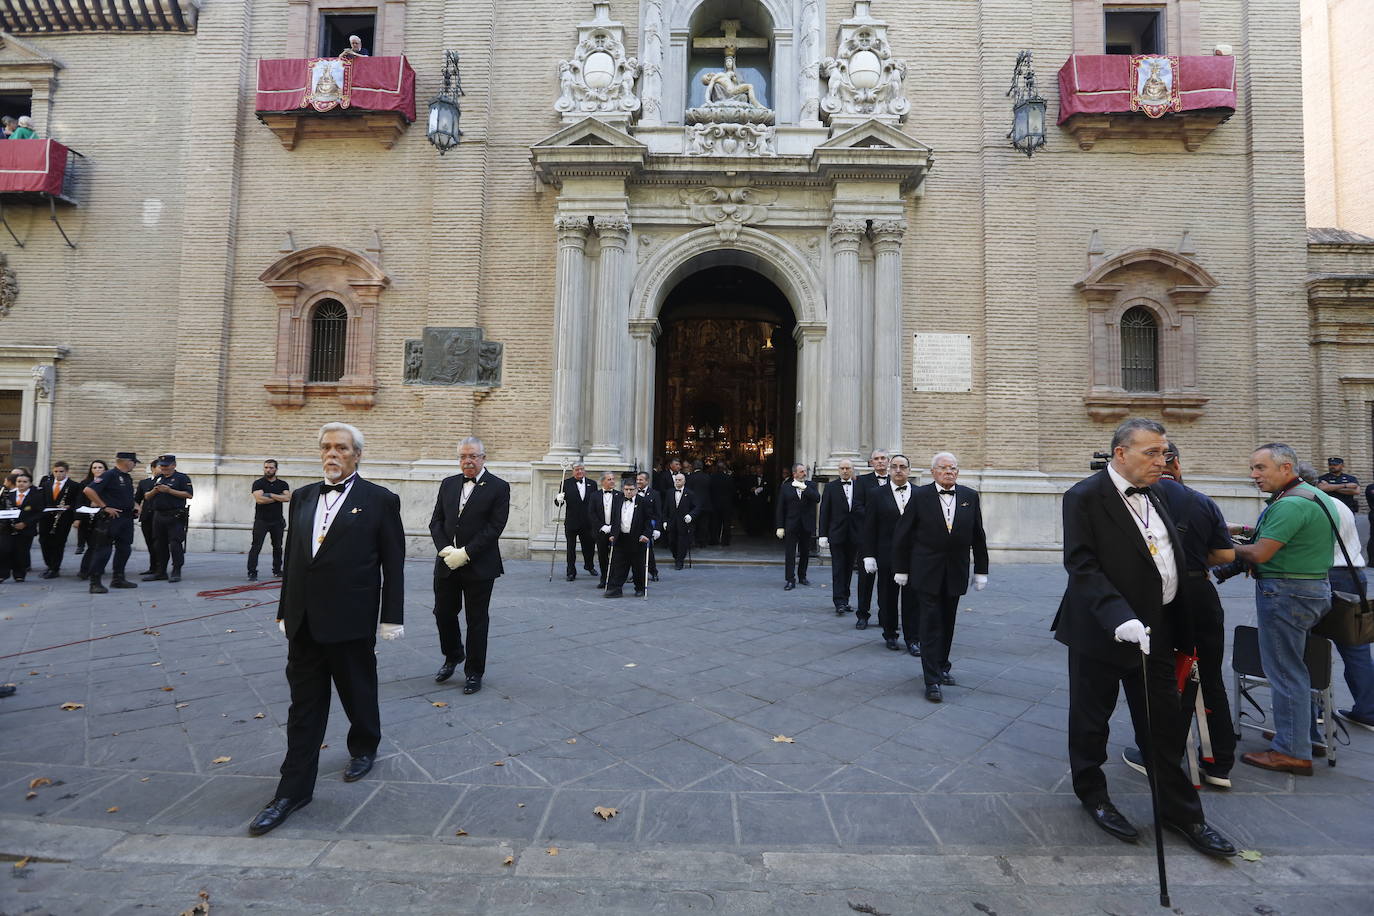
{"x":376,"y":84}
{"x":32,"y":165}
{"x":1101,"y":83}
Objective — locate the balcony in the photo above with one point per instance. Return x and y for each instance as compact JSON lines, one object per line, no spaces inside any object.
{"x":1106,"y":97}
{"x":37,"y":172}
{"x":336,"y":98}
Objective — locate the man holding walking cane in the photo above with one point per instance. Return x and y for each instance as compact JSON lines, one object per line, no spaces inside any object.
{"x":575,"y":499}
{"x":1119,"y":611}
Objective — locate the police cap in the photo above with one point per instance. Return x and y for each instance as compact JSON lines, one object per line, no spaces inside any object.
{"x":1332,"y":462}
{"x":127,"y":456}
{"x":166,"y":459}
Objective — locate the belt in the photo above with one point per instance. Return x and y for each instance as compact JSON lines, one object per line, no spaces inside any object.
{"x":1295,"y":576}
{"x":1196,"y":574}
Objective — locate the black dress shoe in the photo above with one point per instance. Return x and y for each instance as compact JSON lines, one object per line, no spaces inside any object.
{"x":591,"y":570}
{"x":154,"y":577}
{"x":252,"y":577}
{"x":1205,"y":839}
{"x":803,"y":581}
{"x":83,"y":576}
{"x":653,"y":577}
{"x":861,"y":623}
{"x":947,"y":679}
{"x":7,"y":690}
{"x":174,"y":576}
{"x":80,"y":551}
{"x":1113,"y":821}
{"x":601,"y":584}
{"x":892,"y":644}
{"x":473,"y":684}
{"x":615,"y":594}
{"x":571,"y":577}
{"x":50,"y":574}
{"x":147,"y":572}
{"x":677,"y":566}
{"x":839,"y":610}
{"x":96,"y":588}
{"x":445,"y":672}
{"x":359,"y":767}
{"x":914,"y":649}
{"x":933,"y":693}
{"x":788,"y":585}
{"x":277,"y":811}
{"x":122,"y":583}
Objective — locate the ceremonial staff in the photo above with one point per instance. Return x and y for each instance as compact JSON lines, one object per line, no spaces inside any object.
{"x":558,"y":522}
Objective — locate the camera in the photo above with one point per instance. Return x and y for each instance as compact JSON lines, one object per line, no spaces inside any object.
{"x":1099,"y":462}
{"x":1229,"y":570}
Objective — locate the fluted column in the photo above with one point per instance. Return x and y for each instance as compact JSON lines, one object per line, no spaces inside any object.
{"x":846,"y":319}
{"x":612,"y":370}
{"x":570,"y":309}
{"x":887,"y":333}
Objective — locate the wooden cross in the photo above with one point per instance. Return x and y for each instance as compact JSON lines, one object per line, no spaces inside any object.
{"x":732,"y":41}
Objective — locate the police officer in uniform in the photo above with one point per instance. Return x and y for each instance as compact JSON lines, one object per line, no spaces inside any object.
{"x":113,"y":526}
{"x":145,"y":517}
{"x":1339,"y":485}
{"x":168,"y":501}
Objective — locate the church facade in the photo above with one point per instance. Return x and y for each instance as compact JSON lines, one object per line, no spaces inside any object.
{"x":761,"y":230}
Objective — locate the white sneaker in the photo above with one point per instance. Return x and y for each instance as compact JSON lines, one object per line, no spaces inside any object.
{"x":1221,"y":782}
{"x":1345,"y":716}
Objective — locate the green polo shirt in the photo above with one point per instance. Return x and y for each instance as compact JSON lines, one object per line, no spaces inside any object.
{"x":1302,"y":528}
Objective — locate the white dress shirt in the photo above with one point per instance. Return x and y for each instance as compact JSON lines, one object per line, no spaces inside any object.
{"x":627,"y":516}
{"x":848,"y":493}
{"x":469,"y":485}
{"x":606,"y":497}
{"x":948,"y":499}
{"x":1152,"y":530}
{"x":1349,"y":535}
{"x":901,"y":496}
{"x":327,"y":511}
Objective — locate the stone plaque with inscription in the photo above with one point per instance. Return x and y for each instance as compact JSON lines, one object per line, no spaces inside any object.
{"x":942,"y":362}
{"x":453,"y":356}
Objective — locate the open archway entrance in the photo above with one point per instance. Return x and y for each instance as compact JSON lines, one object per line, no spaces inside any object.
{"x":726,"y":386}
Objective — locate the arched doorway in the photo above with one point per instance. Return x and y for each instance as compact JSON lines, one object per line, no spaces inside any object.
{"x":726,"y":375}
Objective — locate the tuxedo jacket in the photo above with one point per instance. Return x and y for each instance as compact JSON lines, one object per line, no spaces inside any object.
{"x":795,"y":510}
{"x":699,"y":483}
{"x":722,"y":487}
{"x":880,"y":519}
{"x":1112,"y":577}
{"x":641,"y":523}
{"x":674,"y":512}
{"x":358,"y":570}
{"x":839,"y":519}
{"x":477,"y":529}
{"x":574,"y":506}
{"x":655,"y":507}
{"x":30,"y":514}
{"x":596,"y":510}
{"x":663,"y":482}
{"x":936,"y":557}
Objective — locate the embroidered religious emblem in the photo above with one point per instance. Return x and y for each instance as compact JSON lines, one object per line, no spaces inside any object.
{"x":331,"y":83}
{"x":1154,"y":85}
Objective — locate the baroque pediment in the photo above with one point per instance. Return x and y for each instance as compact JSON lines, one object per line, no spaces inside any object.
{"x":589,"y":147}
{"x":15,"y":53}
{"x":873,"y":134}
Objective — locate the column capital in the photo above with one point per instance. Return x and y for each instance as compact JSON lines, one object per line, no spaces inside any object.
{"x":847,"y":231}
{"x":646,"y":327}
{"x":571,"y":227}
{"x":888,"y":232}
{"x":613,"y":229}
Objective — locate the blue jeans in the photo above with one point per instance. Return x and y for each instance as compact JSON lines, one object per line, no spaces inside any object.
{"x":1359,"y":663}
{"x":1286,"y":610}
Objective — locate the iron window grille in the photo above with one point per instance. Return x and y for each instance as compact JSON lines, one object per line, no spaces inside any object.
{"x":328,"y":341}
{"x":1139,"y":350}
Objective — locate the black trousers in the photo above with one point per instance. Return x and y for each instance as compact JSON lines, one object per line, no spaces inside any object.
{"x":1093,"y":689}
{"x":796,"y":548}
{"x":936,"y":612}
{"x":897,"y":607}
{"x":454,"y":596}
{"x":145,"y":525}
{"x":117,"y":538}
{"x":866,"y":583}
{"x":841,"y":570}
{"x":261,"y":530}
{"x":310,"y":669}
{"x":83,"y":532}
{"x":724,"y":520}
{"x":15,"y":551}
{"x":704,"y":528}
{"x":169,"y":540}
{"x":574,"y":537}
{"x":679,"y":541}
{"x":627,"y":561}
{"x":52,"y":538}
{"x":603,"y":551}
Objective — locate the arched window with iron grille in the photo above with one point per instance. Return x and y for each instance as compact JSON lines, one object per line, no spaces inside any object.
{"x":328,"y":341}
{"x":1139,"y":350}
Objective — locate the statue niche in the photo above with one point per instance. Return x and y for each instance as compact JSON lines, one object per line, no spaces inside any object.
{"x":599,"y":80}
{"x":731,"y":121}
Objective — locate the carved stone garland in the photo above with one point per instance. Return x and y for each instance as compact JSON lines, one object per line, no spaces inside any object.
{"x":599,"y":80}
{"x":864,"y":80}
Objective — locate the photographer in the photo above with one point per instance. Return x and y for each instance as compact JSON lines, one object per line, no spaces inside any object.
{"x":1291,"y":555}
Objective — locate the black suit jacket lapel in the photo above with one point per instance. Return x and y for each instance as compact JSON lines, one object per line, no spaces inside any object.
{"x":1174,"y":537}
{"x":342,"y":516}
{"x":1117,"y":511}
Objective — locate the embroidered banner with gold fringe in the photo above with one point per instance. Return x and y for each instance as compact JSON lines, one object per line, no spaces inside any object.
{"x":1154,"y":84}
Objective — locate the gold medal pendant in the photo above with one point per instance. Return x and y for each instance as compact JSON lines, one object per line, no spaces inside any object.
{"x":1154,"y":551}
{"x":320,"y":540}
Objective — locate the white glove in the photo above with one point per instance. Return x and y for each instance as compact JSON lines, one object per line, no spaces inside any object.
{"x":870,"y":565}
{"x":900,"y":578}
{"x":443,"y":554}
{"x":281,"y":625}
{"x":605,"y":529}
{"x":823,"y":542}
{"x":656,"y":534}
{"x":1134,"y":631}
{"x":980,"y":582}
{"x":780,"y":532}
{"x":799,"y":484}
{"x":458,"y":558}
{"x":390,"y":631}
{"x":558,"y":499}
{"x":687,"y":520}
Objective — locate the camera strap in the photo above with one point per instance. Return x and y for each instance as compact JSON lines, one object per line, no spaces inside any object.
{"x":1359,"y":582}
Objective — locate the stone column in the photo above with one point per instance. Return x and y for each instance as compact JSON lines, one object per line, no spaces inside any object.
{"x":887,"y":333}
{"x":651,"y":58}
{"x":811,"y":429}
{"x":643,"y":338}
{"x":570,"y":309}
{"x":612,"y":312}
{"x":846,"y":322}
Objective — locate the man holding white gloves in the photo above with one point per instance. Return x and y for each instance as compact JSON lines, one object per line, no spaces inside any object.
{"x":795,"y":516}
{"x":1121,"y":550}
{"x":469,"y":515}
{"x":342,"y":587}
{"x":840,"y":532}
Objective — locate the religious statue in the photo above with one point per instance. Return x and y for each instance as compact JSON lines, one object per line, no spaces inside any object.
{"x":727,"y":87}
{"x":732,"y":121}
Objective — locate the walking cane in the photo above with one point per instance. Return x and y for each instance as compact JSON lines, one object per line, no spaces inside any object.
{"x":610,"y":560}
{"x":558,"y":522}
{"x":1154,"y":788}
{"x":647,"y":547}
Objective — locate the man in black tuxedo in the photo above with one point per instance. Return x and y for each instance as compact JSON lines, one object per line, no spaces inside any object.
{"x":722,"y":504}
{"x":61,"y":492}
{"x":794,"y":514}
{"x":943,"y":524}
{"x":863,"y":486}
{"x":663,"y":478}
{"x":840,"y":533}
{"x":602,"y":523}
{"x":678,"y":507}
{"x":631,"y":533}
{"x":1123,"y":555}
{"x":754,"y":493}
{"x":647,"y":494}
{"x":469,"y":515}
{"x":883,"y":509}
{"x":574,"y":499}
{"x":345,"y":552}
{"x":699,"y":485}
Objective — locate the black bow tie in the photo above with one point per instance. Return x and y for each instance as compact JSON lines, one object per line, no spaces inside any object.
{"x":333,"y":487}
{"x":1143,"y":491}
{"x":945,"y":492}
{"x":901,"y":488}
{"x":846,"y":482}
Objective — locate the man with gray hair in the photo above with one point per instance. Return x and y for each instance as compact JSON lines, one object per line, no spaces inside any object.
{"x":864,"y":486}
{"x":469,"y":515}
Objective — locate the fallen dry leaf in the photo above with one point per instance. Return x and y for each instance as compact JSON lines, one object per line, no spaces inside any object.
{"x":22,"y":863}
{"x":439,"y":704}
{"x":168,"y":689}
{"x":519,"y":804}
{"x":145,"y":779}
{"x":39,"y":782}
{"x":152,"y":633}
{"x":552,"y":850}
{"x":1251,"y":855}
{"x":605,"y":813}
{"x":261,"y":715}
{"x":324,"y":747}
{"x":571,"y":741}
{"x":461,"y":832}
{"x":229,"y":631}
{"x":182,"y":705}
{"x":222,"y":760}
{"x":30,"y":795}
{"x":32,"y":673}
{"x":499,"y":763}
{"x":112,"y":809}
{"x":155,"y":665}
{"x":782,"y":739}
{"x":509,"y":860}
{"x":70,"y":706}
{"x":631,"y":665}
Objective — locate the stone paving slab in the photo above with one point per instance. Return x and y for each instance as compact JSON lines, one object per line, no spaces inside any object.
{"x":665,"y":709}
